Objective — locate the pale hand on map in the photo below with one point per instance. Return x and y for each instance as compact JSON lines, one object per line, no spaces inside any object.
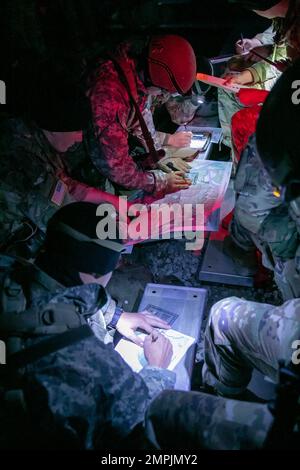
{"x":134,"y":356}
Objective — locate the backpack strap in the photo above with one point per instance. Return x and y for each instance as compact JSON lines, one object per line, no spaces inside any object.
{"x":11,"y":391}
{"x":126,"y":73}
{"x":47,"y":346}
{"x":51,"y":319}
{"x":12,"y":295}
{"x":47,"y":281}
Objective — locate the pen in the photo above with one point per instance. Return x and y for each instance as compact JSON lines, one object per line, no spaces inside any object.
{"x":242,"y":42}
{"x":154,"y":337}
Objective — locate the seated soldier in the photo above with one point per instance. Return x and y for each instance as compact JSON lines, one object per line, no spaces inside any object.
{"x":37,"y":154}
{"x":74,"y":390}
{"x":72,"y":255}
{"x":242,"y":335}
{"x":262,"y":218}
{"x":119,"y":89}
{"x":259,"y":75}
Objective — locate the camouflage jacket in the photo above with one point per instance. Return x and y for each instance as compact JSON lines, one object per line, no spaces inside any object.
{"x":79,"y":394}
{"x":36,"y":180}
{"x":28,"y":177}
{"x":27,"y":173}
{"x":255,"y":189}
{"x":294,"y":211}
{"x":181,"y":109}
{"x":115,"y":121}
{"x":263,"y":213}
{"x":267,"y":37}
{"x":264,"y":74}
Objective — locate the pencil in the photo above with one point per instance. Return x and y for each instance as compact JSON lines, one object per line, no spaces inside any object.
{"x":242,"y":41}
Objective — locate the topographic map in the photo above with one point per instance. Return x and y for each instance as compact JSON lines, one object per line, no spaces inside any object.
{"x":210,"y":182}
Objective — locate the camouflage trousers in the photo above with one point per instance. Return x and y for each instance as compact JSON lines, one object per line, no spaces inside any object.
{"x":241,"y":336}
{"x":277,"y":239}
{"x":278,"y":231}
{"x":192,"y":420}
{"x":228,"y":105}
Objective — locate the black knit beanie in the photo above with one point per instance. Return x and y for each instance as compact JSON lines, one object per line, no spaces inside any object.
{"x":72,"y":246}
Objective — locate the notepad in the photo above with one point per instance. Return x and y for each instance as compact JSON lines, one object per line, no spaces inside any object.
{"x":134,"y":356}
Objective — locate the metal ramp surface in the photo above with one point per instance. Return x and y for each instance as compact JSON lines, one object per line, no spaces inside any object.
{"x":188,"y":303}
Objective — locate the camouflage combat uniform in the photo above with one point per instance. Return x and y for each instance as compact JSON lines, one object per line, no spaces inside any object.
{"x":265,"y":76}
{"x":242,"y":335}
{"x":116,"y":125}
{"x":263,"y":220}
{"x":79,"y":395}
{"x":27,"y":173}
{"x":191,"y":420}
{"x":181,"y":110}
{"x":29,"y":178}
{"x":115,"y":120}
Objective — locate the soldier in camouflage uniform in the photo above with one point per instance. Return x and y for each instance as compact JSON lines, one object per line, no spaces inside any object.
{"x":199,"y":421}
{"x":82,"y":395}
{"x":37,"y":156}
{"x":113,"y":86}
{"x":72,"y":255}
{"x":264,"y":220}
{"x":259,"y":75}
{"x":243,"y":335}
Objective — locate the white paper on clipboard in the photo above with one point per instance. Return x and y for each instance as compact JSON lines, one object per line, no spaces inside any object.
{"x":134,"y":356}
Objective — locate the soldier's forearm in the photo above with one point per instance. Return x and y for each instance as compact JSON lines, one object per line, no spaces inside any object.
{"x":82,"y":192}
{"x":157,"y":380}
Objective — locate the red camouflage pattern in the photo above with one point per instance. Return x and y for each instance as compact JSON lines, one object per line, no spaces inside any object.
{"x":114,"y":119}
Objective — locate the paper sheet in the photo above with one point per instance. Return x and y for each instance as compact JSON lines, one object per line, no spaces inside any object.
{"x":210,"y":182}
{"x":134,"y":356}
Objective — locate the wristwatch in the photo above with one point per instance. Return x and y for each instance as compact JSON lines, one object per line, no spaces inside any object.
{"x":116,"y":317}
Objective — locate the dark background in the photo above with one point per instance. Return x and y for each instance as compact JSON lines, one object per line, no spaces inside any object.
{"x":72,"y":32}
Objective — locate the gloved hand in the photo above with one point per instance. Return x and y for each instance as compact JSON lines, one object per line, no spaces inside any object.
{"x":169,"y":164}
{"x":177,"y":182}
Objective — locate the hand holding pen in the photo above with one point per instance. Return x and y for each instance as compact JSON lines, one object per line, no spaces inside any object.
{"x":158,"y":350}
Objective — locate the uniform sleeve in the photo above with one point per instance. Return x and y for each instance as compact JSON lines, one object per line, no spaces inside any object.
{"x":113,"y":160}
{"x":267,"y":37}
{"x":181,"y":110}
{"x":266,"y":75}
{"x":25,"y":182}
{"x":157,"y":380}
{"x":295,"y":214}
{"x":255,"y":190}
{"x":86,"y":391}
